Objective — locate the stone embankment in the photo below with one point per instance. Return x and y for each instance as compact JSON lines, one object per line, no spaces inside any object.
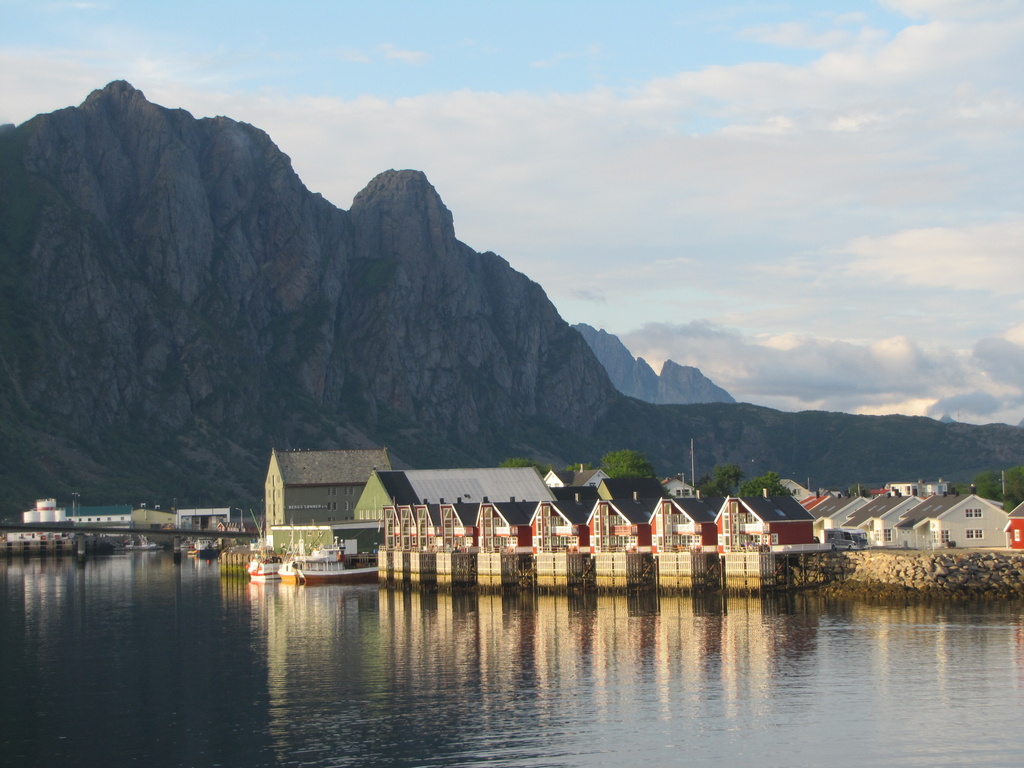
{"x":950,"y":574}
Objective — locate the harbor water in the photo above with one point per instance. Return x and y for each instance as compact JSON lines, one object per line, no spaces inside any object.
{"x":133,"y":660}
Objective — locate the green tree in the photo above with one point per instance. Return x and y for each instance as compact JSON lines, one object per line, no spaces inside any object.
{"x":627,"y":463}
{"x":989,"y":485}
{"x":1014,"y":493}
{"x":769,"y":481}
{"x":519,"y":461}
{"x":722,"y":482}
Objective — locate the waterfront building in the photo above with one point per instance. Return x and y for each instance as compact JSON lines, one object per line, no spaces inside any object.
{"x":752,"y":522}
{"x":951,"y":520}
{"x":685,"y":524}
{"x":834,"y":512}
{"x":318,"y":487}
{"x":459,"y":495}
{"x":879,"y":517}
{"x":1014,"y":528}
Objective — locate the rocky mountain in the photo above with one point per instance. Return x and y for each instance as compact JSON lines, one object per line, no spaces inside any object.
{"x":174,"y":303}
{"x":676,"y":384}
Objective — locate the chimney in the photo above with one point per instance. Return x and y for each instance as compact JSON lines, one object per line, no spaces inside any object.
{"x":485,"y":500}
{"x":511,"y":498}
{"x":765,"y":490}
{"x":577,"y":497}
{"x":636,"y":495}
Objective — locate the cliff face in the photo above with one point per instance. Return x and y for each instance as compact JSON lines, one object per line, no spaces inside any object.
{"x":169,"y":276}
{"x":677,"y":384}
{"x":174,"y":303}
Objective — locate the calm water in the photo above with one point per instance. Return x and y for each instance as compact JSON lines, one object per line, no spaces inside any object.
{"x":135,"y":661}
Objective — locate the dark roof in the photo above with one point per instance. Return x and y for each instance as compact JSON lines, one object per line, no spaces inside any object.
{"x":576,"y":512}
{"x":398,"y":487}
{"x":434,"y":512}
{"x":698,"y":510}
{"x":569,"y":492}
{"x":331,"y":467}
{"x":516,"y":512}
{"x":777,"y":509}
{"x":636,"y":510}
{"x":632,"y":487}
{"x":467,"y":512}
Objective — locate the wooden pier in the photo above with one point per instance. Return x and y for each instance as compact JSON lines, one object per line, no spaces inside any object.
{"x":687,"y":572}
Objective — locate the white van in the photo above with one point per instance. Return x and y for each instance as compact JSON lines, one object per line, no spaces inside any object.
{"x":846,"y":538}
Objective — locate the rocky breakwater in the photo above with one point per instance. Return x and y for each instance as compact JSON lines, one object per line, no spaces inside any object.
{"x":946,"y":574}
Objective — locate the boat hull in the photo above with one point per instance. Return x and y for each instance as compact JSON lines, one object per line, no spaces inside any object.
{"x":262,"y":571}
{"x":292,"y":574}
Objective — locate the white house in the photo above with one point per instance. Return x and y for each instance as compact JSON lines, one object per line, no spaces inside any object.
{"x":954,"y":521}
{"x":880,"y":517}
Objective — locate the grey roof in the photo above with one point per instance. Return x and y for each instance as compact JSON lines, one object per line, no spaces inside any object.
{"x":331,"y":467}
{"x":1018,"y":511}
{"x":576,"y":512}
{"x":471,"y":485}
{"x":467,"y":513}
{"x":833,"y":505}
{"x":777,"y":509}
{"x":698,"y":510}
{"x":877,"y":508}
{"x":636,"y":511}
{"x":516,"y":512}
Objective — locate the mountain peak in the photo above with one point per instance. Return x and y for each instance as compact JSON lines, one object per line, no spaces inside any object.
{"x":405,"y":197}
{"x":117,"y":90}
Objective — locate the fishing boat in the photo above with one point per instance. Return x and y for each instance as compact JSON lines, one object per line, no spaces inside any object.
{"x":204,"y":549}
{"x":142,"y":545}
{"x":264,"y":567}
{"x":325,"y":565}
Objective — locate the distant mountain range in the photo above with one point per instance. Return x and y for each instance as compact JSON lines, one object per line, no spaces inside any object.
{"x":675,"y":385}
{"x":174,"y":303}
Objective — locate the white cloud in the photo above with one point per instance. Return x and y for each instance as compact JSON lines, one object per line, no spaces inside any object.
{"x":408,"y":57}
{"x":985,"y":258}
{"x":894,"y":375}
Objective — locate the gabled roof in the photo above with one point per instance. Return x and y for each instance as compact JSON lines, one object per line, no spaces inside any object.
{"x":467,"y":513}
{"x":879,"y":507}
{"x":636,"y":511}
{"x":466,"y":485}
{"x":434,"y":512}
{"x":516,"y":512}
{"x":776,"y":509}
{"x":834,"y":506}
{"x":631,"y":487}
{"x":698,"y":510}
{"x":330,"y":467}
{"x":397,"y":486}
{"x":1018,"y":511}
{"x":937,"y":506}
{"x":576,"y":512}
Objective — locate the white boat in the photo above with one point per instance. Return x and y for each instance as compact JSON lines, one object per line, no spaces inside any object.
{"x":142,"y":545}
{"x":325,"y":565}
{"x":264,"y":567}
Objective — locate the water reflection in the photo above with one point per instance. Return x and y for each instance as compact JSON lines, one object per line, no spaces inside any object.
{"x":202,"y":670}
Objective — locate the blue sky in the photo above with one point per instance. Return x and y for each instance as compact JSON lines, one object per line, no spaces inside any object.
{"x":819,"y":204}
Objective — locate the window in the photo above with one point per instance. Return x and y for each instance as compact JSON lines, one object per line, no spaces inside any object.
{"x":972,"y":513}
{"x":1016,"y":534}
{"x":975,"y":533}
{"x":888,"y":534}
